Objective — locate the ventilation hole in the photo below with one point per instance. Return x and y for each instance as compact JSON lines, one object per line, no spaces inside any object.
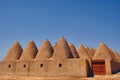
{"x":60,"y":65}
{"x":9,"y":66}
{"x":24,"y":66}
{"x":41,"y":65}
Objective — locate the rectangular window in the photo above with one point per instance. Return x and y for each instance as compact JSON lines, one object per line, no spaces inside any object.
{"x":9,"y":66}
{"x":60,"y":65}
{"x":41,"y":65}
{"x":24,"y":66}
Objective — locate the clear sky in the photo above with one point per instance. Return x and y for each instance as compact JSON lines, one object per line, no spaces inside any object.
{"x":86,"y":22}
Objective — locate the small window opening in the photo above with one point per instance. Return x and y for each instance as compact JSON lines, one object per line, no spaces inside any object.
{"x":9,"y":66}
{"x":41,"y":65}
{"x":24,"y":66}
{"x":60,"y":65}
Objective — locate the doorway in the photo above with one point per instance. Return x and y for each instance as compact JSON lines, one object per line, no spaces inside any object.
{"x":98,"y":67}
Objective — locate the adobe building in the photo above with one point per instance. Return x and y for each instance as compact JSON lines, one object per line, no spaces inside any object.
{"x":60,"y":60}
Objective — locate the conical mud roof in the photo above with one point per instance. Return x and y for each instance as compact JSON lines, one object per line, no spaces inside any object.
{"x":73,"y":50}
{"x":117,"y":55}
{"x":14,"y":53}
{"x":103,"y":52}
{"x":29,"y":52}
{"x":114,"y":57}
{"x":82,"y":52}
{"x":89,"y":52}
{"x":45,"y":51}
{"x":92,"y":51}
{"x":54,"y":46}
{"x":62,"y":50}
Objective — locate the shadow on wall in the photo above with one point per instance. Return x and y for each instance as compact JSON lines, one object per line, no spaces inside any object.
{"x":115,"y":67}
{"x":116,"y":71}
{"x":90,"y":71}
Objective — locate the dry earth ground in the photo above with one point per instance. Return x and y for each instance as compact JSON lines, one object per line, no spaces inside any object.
{"x":111,"y":77}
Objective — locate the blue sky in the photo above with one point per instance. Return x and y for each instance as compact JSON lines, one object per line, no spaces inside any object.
{"x":86,"y":22}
